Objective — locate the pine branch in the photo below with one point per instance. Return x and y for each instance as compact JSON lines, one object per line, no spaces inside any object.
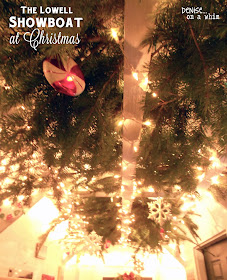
{"x":157,"y":50}
{"x":98,"y":100}
{"x":202,"y":59}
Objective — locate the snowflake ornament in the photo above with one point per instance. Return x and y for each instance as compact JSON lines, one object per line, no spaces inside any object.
{"x":92,"y":243}
{"x":159,"y":211}
{"x":81,"y":243}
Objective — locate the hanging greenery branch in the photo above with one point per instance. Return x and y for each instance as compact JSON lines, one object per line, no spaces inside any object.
{"x":187,"y":126}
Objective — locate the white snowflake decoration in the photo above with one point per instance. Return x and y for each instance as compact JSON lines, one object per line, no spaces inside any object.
{"x":92,"y":243}
{"x":82,"y":243}
{"x":159,"y":211}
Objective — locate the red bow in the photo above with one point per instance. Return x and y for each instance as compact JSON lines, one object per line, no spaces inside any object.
{"x":129,"y":276}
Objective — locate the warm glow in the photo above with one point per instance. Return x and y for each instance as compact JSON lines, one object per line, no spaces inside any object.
{"x":214,"y":180}
{"x":215,"y":162}
{"x":4,"y":162}
{"x":114,"y":33}
{"x":121,"y":122}
{"x":43,"y":212}
{"x":135,"y":75}
{"x":69,"y":78}
{"x":147,"y":123}
{"x":144,"y":84}
{"x":146,"y":81}
{"x":20,"y":197}
{"x":172,"y":269}
{"x":2,"y":168}
{"x":60,"y":231}
{"x":177,"y":187}
{"x":135,"y":149}
{"x":87,"y":259}
{"x":6,"y":202}
{"x":87,"y":166}
{"x":201,"y":177}
{"x":188,"y":205}
{"x":34,"y":192}
{"x":154,"y":94}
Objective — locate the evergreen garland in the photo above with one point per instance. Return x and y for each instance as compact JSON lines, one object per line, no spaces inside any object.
{"x":187,"y":73}
{"x":50,"y":140}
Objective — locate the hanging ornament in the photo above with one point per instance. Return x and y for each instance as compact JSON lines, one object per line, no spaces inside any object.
{"x":138,"y":265}
{"x":9,"y":212}
{"x":107,"y":244}
{"x":9,"y":217}
{"x":81,"y":243}
{"x":159,"y":211}
{"x":64,"y":75}
{"x":92,"y":243}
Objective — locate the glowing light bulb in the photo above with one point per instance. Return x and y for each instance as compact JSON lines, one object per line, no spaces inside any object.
{"x":150,"y":189}
{"x":147,"y":123}
{"x":177,"y":187}
{"x":214,"y":180}
{"x":121,"y":122}
{"x":154,"y":94}
{"x":87,"y":166}
{"x":201,"y":177}
{"x":34,"y":192}
{"x":20,"y":197}
{"x":114,"y":33}
{"x":69,"y":78}
{"x":2,"y":168}
{"x":144,"y":84}
{"x":135,"y":75}
{"x":4,"y":162}
{"x":6,"y":202}
{"x":135,"y":149}
{"x":146,"y":81}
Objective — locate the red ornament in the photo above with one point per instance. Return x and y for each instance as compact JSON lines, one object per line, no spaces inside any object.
{"x":9,"y":217}
{"x":129,"y":276}
{"x":107,"y":244}
{"x":162,"y":230}
{"x":47,"y":277}
{"x":19,"y":205}
{"x":64,"y":75}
